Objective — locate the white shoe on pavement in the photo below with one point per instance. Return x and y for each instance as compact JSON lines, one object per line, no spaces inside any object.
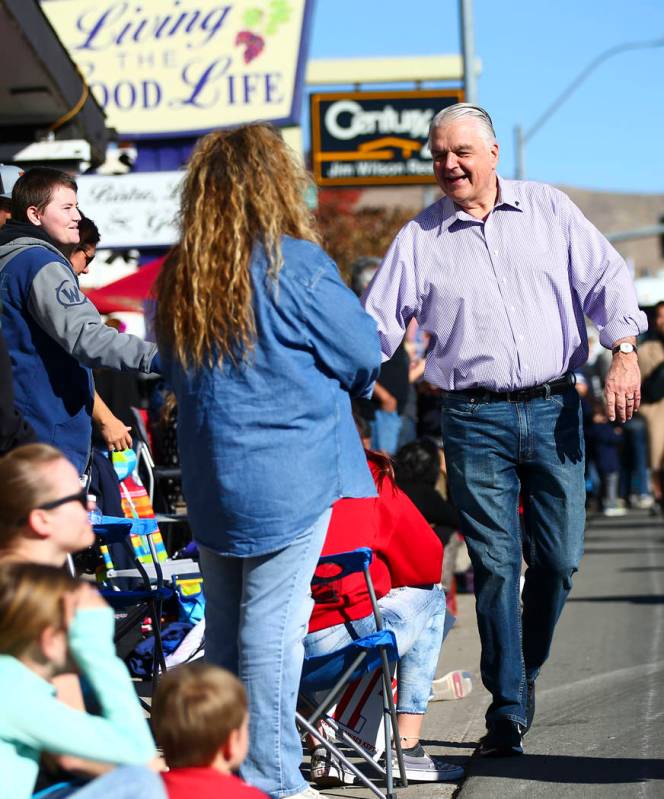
{"x":420,"y":766}
{"x":327,"y":771}
{"x":307,"y":793}
{"x":454,"y":685}
{"x":617,"y":511}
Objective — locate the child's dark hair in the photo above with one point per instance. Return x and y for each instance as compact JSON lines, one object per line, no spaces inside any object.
{"x":194,"y":711}
{"x":88,"y":233}
{"x":35,"y":188}
{"x":418,"y":462}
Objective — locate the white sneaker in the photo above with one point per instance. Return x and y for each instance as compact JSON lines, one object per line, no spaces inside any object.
{"x":422,"y":767}
{"x":642,"y":501}
{"x":327,"y":771}
{"x":307,"y":793}
{"x":617,"y":511}
{"x":454,"y":685}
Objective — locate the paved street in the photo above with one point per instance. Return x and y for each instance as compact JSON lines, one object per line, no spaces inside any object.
{"x":599,"y":728}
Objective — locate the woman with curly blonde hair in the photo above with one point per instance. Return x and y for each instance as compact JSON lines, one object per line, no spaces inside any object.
{"x":264,"y":345}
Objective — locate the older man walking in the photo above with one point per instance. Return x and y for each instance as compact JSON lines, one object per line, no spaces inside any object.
{"x":500,"y":273}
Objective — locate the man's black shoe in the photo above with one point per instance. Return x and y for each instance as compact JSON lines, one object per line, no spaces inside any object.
{"x":530,"y":706}
{"x":502,"y":740}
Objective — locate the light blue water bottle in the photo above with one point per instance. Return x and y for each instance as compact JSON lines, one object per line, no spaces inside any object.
{"x":95,"y":514}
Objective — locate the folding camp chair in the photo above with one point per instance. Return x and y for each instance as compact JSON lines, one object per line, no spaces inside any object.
{"x":332,"y":673}
{"x":154,"y":576}
{"x":157,"y":477}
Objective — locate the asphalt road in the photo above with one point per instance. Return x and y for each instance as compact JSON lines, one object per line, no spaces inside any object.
{"x":599,"y":727}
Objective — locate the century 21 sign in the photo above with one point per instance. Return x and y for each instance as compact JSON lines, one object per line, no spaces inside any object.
{"x":375,"y":138}
{"x":181,"y":67}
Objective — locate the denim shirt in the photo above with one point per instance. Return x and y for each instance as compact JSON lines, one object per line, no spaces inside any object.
{"x":267,"y":445}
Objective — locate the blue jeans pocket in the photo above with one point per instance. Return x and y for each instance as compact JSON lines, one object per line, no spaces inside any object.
{"x":462,"y":406}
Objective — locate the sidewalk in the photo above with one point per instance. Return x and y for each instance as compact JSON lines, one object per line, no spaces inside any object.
{"x":451,"y":729}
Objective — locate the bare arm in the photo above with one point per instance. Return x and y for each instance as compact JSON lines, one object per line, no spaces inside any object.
{"x":113,"y":430}
{"x":387,"y":401}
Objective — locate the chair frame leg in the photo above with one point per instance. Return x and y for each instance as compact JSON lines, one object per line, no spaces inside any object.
{"x":158,"y":659}
{"x":333,"y":750}
{"x":340,"y":732}
{"x":391,"y":723}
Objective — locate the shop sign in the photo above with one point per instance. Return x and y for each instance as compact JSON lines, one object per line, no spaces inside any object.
{"x":135,"y":210}
{"x":375,"y":138}
{"x":163,"y":68}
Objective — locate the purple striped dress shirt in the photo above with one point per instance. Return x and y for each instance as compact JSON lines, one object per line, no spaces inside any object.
{"x":503,"y":299}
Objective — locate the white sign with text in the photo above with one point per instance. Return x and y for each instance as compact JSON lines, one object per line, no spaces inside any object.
{"x":135,"y":210}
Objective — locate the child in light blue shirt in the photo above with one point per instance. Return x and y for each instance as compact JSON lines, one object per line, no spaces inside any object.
{"x":48,"y":619}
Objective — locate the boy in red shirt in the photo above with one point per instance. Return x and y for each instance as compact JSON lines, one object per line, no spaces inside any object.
{"x":200,"y":719}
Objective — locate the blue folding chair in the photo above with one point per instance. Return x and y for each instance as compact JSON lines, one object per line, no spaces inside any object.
{"x":152,"y":591}
{"x":332,"y":673}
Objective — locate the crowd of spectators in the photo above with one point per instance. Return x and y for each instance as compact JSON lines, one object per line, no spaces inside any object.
{"x":237,"y":418}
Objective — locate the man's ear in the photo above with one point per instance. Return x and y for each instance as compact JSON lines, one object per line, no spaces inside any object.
{"x":495,"y":150}
{"x":33,"y":215}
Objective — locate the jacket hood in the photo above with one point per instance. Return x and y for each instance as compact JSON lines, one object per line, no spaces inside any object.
{"x":18,"y":236}
{"x":13,"y":229}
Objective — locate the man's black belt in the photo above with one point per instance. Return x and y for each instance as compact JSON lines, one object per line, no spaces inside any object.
{"x":557,"y":386}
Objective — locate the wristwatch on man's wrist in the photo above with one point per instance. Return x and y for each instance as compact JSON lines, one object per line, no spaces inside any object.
{"x":625,"y":348}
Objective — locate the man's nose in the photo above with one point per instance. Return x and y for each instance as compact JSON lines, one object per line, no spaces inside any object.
{"x":451,"y":161}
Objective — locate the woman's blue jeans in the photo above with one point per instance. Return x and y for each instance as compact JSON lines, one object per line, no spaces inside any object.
{"x":124,"y":782}
{"x":417,"y":618}
{"x":256,"y":616}
{"x":496,"y":451}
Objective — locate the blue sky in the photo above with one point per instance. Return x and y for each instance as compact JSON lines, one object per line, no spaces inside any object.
{"x":609,"y":135}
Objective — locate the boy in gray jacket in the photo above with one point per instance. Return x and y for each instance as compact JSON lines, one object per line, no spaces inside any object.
{"x":54,"y":333}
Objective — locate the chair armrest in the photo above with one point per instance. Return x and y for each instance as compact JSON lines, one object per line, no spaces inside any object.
{"x":357,"y":560}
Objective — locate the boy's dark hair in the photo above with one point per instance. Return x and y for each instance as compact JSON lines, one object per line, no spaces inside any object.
{"x":418,"y":462}
{"x":194,"y":710}
{"x":36,"y":187}
{"x":88,"y":233}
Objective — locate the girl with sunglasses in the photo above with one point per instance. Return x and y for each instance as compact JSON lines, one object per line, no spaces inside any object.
{"x":43,"y":509}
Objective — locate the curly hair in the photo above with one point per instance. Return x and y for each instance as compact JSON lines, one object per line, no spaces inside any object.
{"x":243,"y":187}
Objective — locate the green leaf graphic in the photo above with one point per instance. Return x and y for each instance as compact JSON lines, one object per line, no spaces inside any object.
{"x":252,"y":17}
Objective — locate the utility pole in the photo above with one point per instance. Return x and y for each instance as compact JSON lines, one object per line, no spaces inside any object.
{"x":468,"y":50}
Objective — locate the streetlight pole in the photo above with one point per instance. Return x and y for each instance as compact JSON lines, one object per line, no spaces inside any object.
{"x":522,"y":137}
{"x":468,"y":50}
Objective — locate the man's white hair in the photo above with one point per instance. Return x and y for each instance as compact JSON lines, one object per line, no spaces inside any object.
{"x":459,"y":111}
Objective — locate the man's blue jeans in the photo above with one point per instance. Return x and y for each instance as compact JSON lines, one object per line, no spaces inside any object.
{"x":417,"y":618}
{"x":496,"y":451}
{"x":256,"y":616}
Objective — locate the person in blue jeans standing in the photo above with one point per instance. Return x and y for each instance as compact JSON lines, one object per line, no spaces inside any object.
{"x":264,"y":346}
{"x":500,"y":273}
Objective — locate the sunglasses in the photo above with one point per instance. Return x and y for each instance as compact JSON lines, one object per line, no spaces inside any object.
{"x":81,"y":497}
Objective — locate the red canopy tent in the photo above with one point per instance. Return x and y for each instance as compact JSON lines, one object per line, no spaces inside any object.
{"x":129,"y":293}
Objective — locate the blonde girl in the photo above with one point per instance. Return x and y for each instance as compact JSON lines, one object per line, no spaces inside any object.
{"x":46,"y":619}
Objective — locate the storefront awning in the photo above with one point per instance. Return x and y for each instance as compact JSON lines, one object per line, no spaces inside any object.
{"x":41,"y":89}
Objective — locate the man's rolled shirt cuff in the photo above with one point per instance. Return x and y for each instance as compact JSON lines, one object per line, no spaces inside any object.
{"x":622,"y":328}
